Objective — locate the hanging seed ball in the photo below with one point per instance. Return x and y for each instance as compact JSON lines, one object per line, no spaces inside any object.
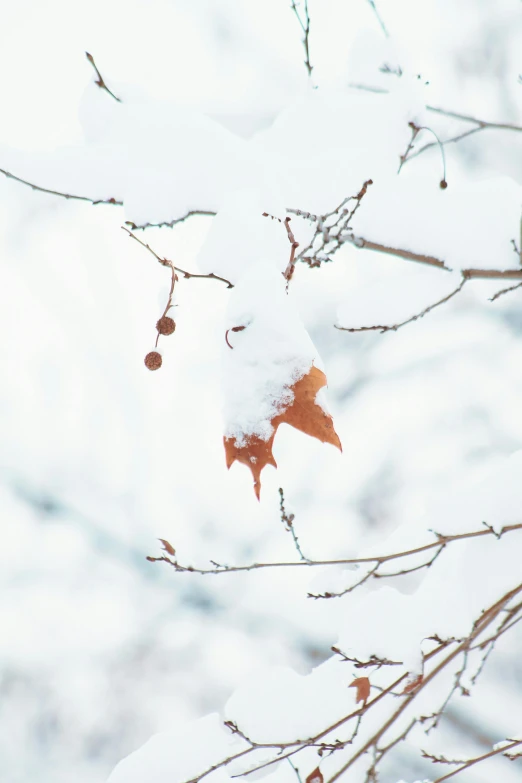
{"x":443,"y":184}
{"x":153,"y":360}
{"x":166,"y":325}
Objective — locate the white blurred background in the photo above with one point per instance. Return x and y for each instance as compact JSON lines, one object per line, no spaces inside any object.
{"x":99,"y":457}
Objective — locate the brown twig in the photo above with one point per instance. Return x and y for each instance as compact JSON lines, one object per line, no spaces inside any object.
{"x":413,"y":318}
{"x":331,"y":229}
{"x":505,"y":291}
{"x":440,"y":540}
{"x":39,"y":188}
{"x":480,"y":625}
{"x":471,"y":762}
{"x":166,"y":262}
{"x":289,"y":271}
{"x":100,"y":81}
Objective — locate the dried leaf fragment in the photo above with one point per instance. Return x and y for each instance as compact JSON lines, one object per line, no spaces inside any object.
{"x":167,"y":547}
{"x":302,"y":412}
{"x":315,"y":777}
{"x":413,"y":683}
{"x":363,"y":689}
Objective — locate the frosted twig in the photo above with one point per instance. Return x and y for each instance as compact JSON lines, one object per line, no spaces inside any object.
{"x":468,"y":118}
{"x":288,"y":522}
{"x":451,"y":140}
{"x":379,"y":18}
{"x":305,"y":27}
{"x":330,"y":230}
{"x":413,"y":318}
{"x":100,"y":81}
{"x":289,"y":271}
{"x":171,"y":223}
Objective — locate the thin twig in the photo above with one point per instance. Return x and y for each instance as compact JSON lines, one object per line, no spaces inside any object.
{"x":289,"y":271}
{"x":478,"y":759}
{"x":383,"y":329}
{"x":379,"y":18}
{"x":288,"y":522}
{"x":505,"y":291}
{"x":452,"y":140}
{"x":468,"y":118}
{"x":440,"y":539}
{"x":112,"y":201}
{"x":100,"y":81}
{"x":171,"y":223}
{"x":166,"y":262}
{"x":305,"y":27}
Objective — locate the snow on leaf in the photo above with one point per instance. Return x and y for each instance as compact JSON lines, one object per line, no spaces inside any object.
{"x":272,"y":373}
{"x":363,"y":688}
{"x":315,"y":777}
{"x":302,"y":411}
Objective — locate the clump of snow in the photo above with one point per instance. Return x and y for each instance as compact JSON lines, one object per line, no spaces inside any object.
{"x":267,"y":356}
{"x":241,"y":235}
{"x":323,"y":146}
{"x":180,"y":754}
{"x":290,"y":705}
{"x":467,"y":225}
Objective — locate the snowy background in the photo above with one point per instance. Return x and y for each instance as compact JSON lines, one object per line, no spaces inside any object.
{"x":99,"y":649}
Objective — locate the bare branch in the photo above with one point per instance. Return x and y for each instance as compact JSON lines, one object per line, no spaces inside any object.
{"x":440,"y":540}
{"x":468,"y":118}
{"x":413,"y":318}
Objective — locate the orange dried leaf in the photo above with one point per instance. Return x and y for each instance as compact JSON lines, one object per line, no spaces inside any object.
{"x":167,"y":547}
{"x":315,"y":777}
{"x":303,"y":413}
{"x":363,"y":688}
{"x":413,"y":684}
